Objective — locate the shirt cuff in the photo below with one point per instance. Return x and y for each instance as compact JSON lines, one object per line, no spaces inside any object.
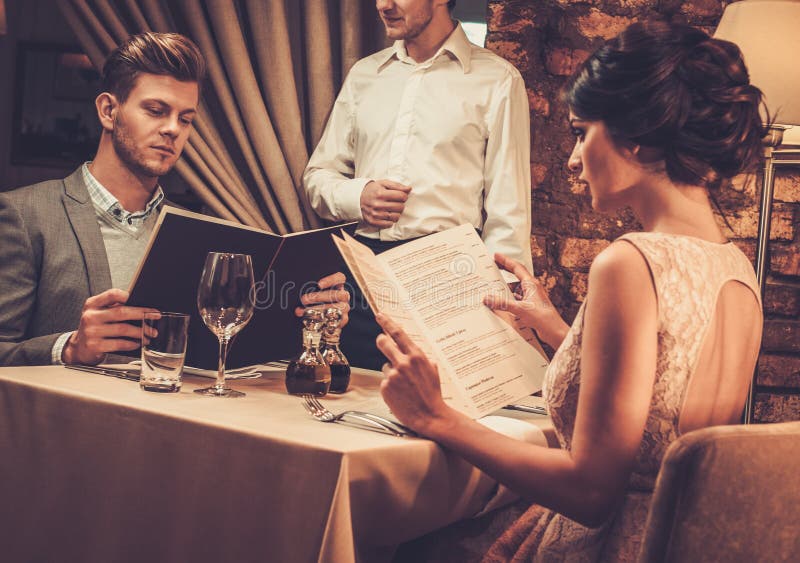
{"x":58,"y":348}
{"x":347,"y":198}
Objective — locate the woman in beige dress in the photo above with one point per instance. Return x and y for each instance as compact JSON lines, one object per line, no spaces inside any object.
{"x":668,"y":336}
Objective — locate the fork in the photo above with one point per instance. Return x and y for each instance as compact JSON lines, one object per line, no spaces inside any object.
{"x":318,"y":411}
{"x":404,"y":430}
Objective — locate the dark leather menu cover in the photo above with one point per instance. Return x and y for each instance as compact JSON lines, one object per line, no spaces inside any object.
{"x":169,"y":274}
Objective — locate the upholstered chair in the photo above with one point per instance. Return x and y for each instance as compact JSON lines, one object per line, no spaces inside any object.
{"x":728,"y":493}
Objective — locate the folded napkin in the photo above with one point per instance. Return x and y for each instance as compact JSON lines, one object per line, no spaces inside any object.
{"x":515,"y":428}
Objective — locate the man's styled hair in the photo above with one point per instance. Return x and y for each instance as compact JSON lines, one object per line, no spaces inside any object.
{"x":165,"y":54}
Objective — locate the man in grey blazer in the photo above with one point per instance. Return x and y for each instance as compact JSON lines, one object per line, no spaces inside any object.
{"x":70,"y":246}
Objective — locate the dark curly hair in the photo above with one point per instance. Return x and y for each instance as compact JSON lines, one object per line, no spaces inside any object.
{"x":673,"y":88}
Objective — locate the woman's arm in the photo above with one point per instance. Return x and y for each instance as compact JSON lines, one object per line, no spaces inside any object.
{"x":617,"y":372}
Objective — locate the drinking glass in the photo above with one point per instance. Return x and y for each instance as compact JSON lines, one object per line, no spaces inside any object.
{"x":163,"y":354}
{"x":225,"y":304}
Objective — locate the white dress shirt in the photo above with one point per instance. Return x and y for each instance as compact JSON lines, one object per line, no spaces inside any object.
{"x":455,"y":128}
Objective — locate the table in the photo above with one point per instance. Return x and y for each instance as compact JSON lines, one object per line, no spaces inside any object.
{"x":93,"y":469}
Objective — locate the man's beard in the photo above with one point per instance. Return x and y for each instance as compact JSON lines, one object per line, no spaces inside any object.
{"x":414,"y":27}
{"x":133,"y":156}
{"x":418,"y":27}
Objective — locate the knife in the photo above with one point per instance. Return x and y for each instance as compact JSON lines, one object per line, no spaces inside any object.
{"x":527,"y":408}
{"x":130,"y":375}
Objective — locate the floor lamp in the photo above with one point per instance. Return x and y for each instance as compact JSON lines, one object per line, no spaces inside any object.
{"x":768,"y":33}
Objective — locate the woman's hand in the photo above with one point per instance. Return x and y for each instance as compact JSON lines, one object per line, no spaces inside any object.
{"x":532,"y":305}
{"x":331,"y":294}
{"x":412,"y":388}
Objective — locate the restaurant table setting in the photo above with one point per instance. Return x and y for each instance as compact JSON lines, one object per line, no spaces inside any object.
{"x":147,"y":462}
{"x":94,"y":469}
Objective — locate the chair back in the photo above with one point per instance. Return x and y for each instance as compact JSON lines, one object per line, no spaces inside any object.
{"x":727,"y":493}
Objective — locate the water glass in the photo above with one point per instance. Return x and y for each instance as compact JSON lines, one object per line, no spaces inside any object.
{"x":164,"y":338}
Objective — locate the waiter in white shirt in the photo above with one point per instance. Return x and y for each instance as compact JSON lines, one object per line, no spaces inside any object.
{"x":425,"y":135}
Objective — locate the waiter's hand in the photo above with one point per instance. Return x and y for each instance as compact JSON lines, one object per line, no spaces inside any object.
{"x":382,"y":202}
{"x":331,"y":294}
{"x":103,"y":328}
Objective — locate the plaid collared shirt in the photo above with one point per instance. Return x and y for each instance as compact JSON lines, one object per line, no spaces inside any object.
{"x":103,"y":200}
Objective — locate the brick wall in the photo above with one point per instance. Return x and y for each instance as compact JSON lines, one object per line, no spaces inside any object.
{"x":546,"y":40}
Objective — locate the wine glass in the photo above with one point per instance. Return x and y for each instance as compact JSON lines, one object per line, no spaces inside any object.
{"x":225,"y":304}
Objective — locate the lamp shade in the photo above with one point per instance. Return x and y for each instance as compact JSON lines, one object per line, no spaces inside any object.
{"x":768,"y":33}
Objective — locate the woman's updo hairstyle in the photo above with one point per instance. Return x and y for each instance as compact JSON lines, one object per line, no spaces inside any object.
{"x":673,"y":88}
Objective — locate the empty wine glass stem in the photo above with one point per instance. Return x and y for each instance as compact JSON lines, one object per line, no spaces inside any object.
{"x":223,"y":355}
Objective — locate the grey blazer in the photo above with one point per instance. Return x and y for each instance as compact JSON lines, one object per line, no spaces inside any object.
{"x":52,"y":258}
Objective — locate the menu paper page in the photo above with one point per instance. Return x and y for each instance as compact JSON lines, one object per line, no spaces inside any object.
{"x":386,"y":295}
{"x":446,"y":276}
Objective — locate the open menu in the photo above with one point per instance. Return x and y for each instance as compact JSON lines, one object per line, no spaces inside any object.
{"x":284,"y":266}
{"x":433,"y":287}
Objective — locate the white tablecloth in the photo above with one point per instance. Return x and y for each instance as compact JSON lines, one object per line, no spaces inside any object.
{"x":93,"y":469}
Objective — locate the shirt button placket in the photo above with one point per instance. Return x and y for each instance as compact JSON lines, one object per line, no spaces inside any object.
{"x":402,"y":135}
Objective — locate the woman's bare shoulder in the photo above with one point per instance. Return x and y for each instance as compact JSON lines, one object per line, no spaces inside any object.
{"x":622,"y":265}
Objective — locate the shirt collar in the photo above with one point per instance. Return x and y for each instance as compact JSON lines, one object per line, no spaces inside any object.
{"x":456,"y":44}
{"x":105,"y":201}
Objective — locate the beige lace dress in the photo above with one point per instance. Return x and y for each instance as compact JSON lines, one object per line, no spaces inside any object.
{"x":688,"y":274}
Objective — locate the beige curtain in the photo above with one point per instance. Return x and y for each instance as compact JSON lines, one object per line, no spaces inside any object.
{"x":274,"y":69}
